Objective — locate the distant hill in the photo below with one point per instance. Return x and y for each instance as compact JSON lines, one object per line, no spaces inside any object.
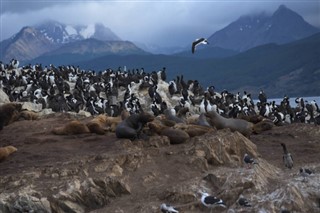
{"x":84,"y":50}
{"x":249,"y":31}
{"x":292,"y":69}
{"x":210,"y":52}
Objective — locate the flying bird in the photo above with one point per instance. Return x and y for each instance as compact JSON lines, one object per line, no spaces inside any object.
{"x":287,"y":158}
{"x":248,"y":160}
{"x":211,"y":201}
{"x":168,"y":209}
{"x":198,"y":42}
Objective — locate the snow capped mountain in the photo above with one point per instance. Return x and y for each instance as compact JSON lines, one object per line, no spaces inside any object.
{"x":31,"y":42}
{"x":62,"y":33}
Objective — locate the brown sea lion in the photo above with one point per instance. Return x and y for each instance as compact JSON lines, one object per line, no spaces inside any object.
{"x":112,"y":122}
{"x":71,"y":128}
{"x":9,"y":113}
{"x":98,"y":124}
{"x":156,"y":127}
{"x":251,"y":118}
{"x":132,"y":126}
{"x":220,"y":122}
{"x":176,"y":136}
{"x":194,"y":130}
{"x":28,"y":115}
{"x":6,"y":151}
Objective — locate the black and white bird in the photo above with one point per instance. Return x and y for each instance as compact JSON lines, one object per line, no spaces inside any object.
{"x":198,"y":42}
{"x":287,"y":158}
{"x":305,"y":173}
{"x":167,"y":208}
{"x":244,"y":202}
{"x":248,"y":160}
{"x":211,"y":201}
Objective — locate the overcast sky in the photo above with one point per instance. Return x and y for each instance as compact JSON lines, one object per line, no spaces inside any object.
{"x":166,"y":23}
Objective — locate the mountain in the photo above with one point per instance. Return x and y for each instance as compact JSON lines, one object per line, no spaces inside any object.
{"x":208,"y":52}
{"x":25,"y":45}
{"x":292,"y":69}
{"x":62,"y":33}
{"x":283,"y":26}
{"x":87,"y":49}
{"x":32,"y":42}
{"x":158,"y":49}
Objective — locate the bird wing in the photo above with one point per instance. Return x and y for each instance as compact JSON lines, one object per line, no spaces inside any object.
{"x":193,"y":47}
{"x":195,"y":43}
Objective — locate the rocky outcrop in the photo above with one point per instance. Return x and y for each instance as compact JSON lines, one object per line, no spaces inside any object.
{"x":153,"y":171}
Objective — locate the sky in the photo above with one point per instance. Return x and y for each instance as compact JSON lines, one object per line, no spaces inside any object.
{"x":161,"y":22}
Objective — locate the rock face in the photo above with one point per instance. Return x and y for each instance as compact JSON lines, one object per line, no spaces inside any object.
{"x":113,"y":175}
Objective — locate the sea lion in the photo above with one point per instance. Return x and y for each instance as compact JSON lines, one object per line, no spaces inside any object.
{"x":202,"y":120}
{"x":176,"y":136}
{"x":156,"y":126}
{"x":9,"y":112}
{"x":98,"y":124}
{"x":28,"y":115}
{"x":112,"y":122}
{"x":251,"y":118}
{"x":234,"y":124}
{"x":71,"y":128}
{"x":131,"y":127}
{"x":170,"y":116}
{"x":6,"y":151}
{"x":194,"y":130}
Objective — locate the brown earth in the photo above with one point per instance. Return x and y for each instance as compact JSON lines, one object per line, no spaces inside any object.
{"x":38,"y":148}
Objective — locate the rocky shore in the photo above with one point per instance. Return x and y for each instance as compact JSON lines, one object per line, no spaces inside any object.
{"x":101,"y":173}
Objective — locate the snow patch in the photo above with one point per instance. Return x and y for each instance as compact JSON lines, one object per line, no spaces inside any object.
{"x":70,"y":30}
{"x":88,"y":32}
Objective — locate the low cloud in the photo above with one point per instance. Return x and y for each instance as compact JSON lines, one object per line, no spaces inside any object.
{"x":164,"y":23}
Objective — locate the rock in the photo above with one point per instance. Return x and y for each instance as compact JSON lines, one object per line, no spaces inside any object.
{"x":26,"y":200}
{"x":46,"y":111}
{"x":32,"y":106}
{"x":223,"y":147}
{"x":4,"y":98}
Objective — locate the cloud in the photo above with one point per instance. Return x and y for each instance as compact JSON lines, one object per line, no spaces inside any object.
{"x":165,"y":23}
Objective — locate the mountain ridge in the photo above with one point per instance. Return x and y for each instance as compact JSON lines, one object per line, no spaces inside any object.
{"x":33,"y":41}
{"x":248,"y":31}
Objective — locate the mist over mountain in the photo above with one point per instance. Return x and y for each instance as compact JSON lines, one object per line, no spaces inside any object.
{"x":33,"y":41}
{"x":249,"y":31}
{"x":62,"y":33}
